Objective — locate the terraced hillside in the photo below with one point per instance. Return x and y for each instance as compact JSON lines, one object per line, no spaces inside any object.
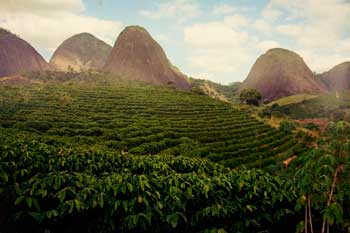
{"x":142,"y":120}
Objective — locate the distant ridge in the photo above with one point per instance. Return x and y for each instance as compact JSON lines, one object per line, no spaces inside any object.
{"x":80,"y":52}
{"x":17,"y":55}
{"x":280,"y":72}
{"x":337,"y":78}
{"x":137,"y":56}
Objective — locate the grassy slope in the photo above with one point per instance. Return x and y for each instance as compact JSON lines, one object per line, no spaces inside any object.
{"x":332,"y":105}
{"x":143,"y":120}
{"x":293,"y":99}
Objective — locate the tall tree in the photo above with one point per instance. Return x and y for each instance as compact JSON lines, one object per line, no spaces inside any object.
{"x":250,"y":96}
{"x":323,"y":181}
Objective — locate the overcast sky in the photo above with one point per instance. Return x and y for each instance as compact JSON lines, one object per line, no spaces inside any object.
{"x":216,"y":40}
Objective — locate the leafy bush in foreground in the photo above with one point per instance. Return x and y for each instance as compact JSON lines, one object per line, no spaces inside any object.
{"x":64,"y":190}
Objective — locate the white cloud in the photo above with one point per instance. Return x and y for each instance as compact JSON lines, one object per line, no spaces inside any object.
{"x":218,"y":50}
{"x":45,"y":23}
{"x":219,"y":66}
{"x":181,"y":10}
{"x":271,"y":13}
{"x":163,"y":38}
{"x":42,"y":6}
{"x":224,"y":50}
{"x":262,"y":26}
{"x":236,"y":21}
{"x":290,"y":30}
{"x":318,"y":29}
{"x":223,"y":9}
{"x":214,"y":35}
{"x":267,"y":44}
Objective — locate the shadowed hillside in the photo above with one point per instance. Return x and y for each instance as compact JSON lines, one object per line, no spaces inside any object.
{"x":18,"y":56}
{"x":337,"y":78}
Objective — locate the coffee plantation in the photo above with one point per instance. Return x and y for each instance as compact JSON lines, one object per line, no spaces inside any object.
{"x":65,"y":189}
{"x":145,"y":120}
{"x":78,"y":157}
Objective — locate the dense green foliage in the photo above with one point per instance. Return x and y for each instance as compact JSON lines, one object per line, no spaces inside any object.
{"x":287,"y":126}
{"x":323,"y":183}
{"x":118,"y":158}
{"x":60,"y":189}
{"x":250,"y":96}
{"x":144,"y":120}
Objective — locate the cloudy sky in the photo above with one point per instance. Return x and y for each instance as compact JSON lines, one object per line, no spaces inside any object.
{"x":216,"y":40}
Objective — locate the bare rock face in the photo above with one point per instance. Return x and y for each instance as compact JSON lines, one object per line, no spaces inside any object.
{"x":80,"y":52}
{"x":280,"y":72}
{"x":337,"y":78}
{"x":18,"y":56}
{"x":137,"y":56}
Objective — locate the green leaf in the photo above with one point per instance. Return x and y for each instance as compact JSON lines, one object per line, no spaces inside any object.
{"x":43,"y":193}
{"x":300,"y":227}
{"x":4,"y":176}
{"x":189,"y":192}
{"x":116,"y":204}
{"x":333,"y":214}
{"x":142,"y":185}
{"x":173,"y":219}
{"x":36,"y":204}
{"x":62,"y":195}
{"x":78,"y":204}
{"x":29,"y":201}
{"x":71,"y":206}
{"x":57,"y":182}
{"x":125,"y":205}
{"x":251,"y":208}
{"x":160,"y":205}
{"x":130,"y":188}
{"x":19,"y":200}
{"x":101,"y":200}
{"x":51,"y":213}
{"x":206,"y":188}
